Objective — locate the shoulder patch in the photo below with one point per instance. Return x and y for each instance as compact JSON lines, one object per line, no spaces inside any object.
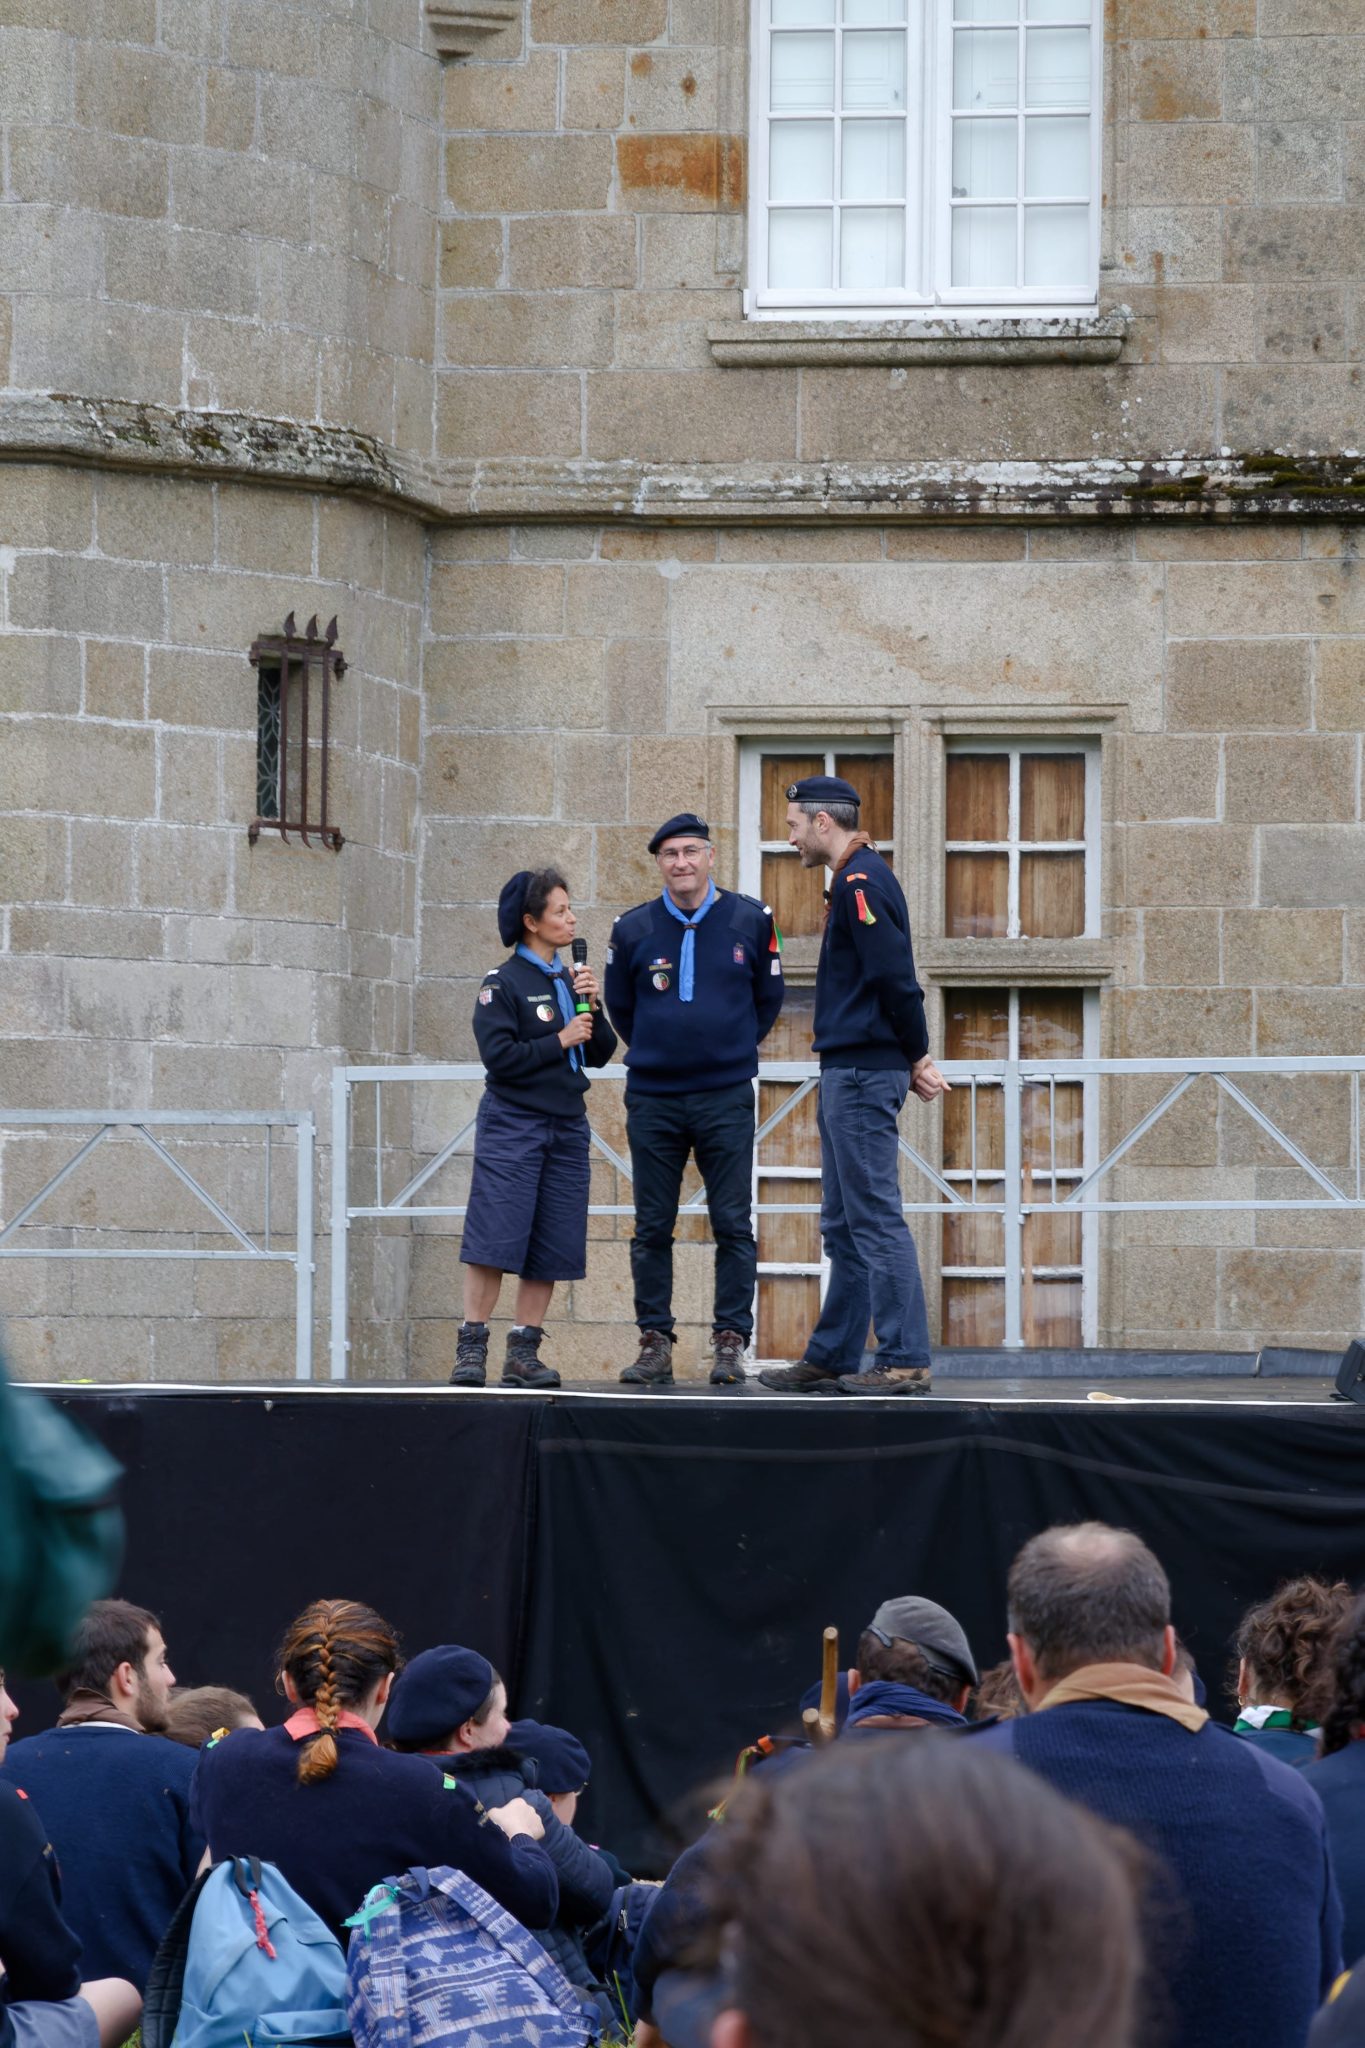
{"x":853,"y":878}
{"x":491,"y":975}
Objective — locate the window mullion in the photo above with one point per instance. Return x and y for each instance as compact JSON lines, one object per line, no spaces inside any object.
{"x":836,"y":235}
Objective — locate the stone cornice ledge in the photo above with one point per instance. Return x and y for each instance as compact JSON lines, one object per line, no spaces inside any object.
{"x":1086,"y":962}
{"x":843,"y":344}
{"x":120,"y":434}
{"x":458,"y":28}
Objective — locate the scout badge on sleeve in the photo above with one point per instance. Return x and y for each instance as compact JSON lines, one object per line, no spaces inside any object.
{"x":739,"y":956}
{"x":864,"y":914}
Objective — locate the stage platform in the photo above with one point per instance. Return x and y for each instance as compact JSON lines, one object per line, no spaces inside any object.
{"x":654,"y":1569}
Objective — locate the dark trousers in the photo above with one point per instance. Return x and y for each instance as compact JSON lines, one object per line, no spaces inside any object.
{"x":717,"y":1124}
{"x":873,"y":1265}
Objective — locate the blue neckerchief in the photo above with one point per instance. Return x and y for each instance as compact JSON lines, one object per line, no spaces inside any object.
{"x":555,"y":969}
{"x":882,"y":1696}
{"x":689,"y":924}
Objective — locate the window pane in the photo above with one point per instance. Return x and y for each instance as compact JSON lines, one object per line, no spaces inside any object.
{"x":1051,"y":796}
{"x":871,"y":13}
{"x":985,"y":68}
{"x":1056,"y":244}
{"x":1057,"y":10}
{"x":788,"y":1306}
{"x":975,"y":1240}
{"x":985,"y":10}
{"x":797,"y":895}
{"x":802,"y":72}
{"x":1057,"y":68}
{"x":990,"y":1123}
{"x":1049,"y":1142}
{"x":1051,"y":1027}
{"x":1051,"y":895}
{"x":973,"y":1313}
{"x":800,"y":249}
{"x":791,"y":1240}
{"x":778,"y":773}
{"x":978,"y":896}
{"x":874,"y":70}
{"x":811,"y":13}
{"x":985,"y":159}
{"x":873,"y":160}
{"x":976,"y":1026}
{"x":873,"y":776}
{"x":978,"y":796}
{"x":1057,"y":158}
{"x":872,"y":246}
{"x":800,"y":161}
{"x":983,"y":245}
{"x":1053,"y":1316}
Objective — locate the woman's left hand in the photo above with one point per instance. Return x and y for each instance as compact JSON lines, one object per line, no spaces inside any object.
{"x":585,"y":984}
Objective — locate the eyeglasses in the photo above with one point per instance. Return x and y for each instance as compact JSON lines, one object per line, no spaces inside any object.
{"x":671,"y":855}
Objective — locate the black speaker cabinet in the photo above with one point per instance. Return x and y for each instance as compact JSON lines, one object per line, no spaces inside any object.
{"x":1351,"y":1374}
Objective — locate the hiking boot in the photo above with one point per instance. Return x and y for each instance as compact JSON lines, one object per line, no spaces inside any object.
{"x":887,"y":1379}
{"x":521,"y":1367}
{"x":471,"y":1356}
{"x":654,"y":1366}
{"x":727,"y":1353}
{"x":801,"y":1378}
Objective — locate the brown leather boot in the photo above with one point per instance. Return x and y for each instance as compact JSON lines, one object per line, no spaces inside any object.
{"x":654,"y":1366}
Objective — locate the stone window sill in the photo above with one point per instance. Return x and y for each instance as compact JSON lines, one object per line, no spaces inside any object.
{"x":1076,"y":963}
{"x":837,"y":344}
{"x":459,"y":26}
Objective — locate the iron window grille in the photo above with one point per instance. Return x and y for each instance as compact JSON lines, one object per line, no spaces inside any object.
{"x":294,"y":677}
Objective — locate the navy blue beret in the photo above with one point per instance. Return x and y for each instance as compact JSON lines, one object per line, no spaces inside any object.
{"x":565,"y":1765}
{"x":511,"y":904}
{"x":823,"y":789}
{"x":686,"y":825}
{"x":438,"y":1691}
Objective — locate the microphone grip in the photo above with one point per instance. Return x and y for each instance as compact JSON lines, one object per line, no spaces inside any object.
{"x":578,"y":949}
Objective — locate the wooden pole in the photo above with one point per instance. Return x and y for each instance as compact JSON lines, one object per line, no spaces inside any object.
{"x":829,"y":1685}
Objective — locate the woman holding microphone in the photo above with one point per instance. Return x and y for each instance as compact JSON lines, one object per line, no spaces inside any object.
{"x":539,"y":1027}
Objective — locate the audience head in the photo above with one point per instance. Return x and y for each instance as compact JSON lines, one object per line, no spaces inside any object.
{"x":998,"y":1697}
{"x":916,"y":1642}
{"x":1344,"y":1720}
{"x":1284,"y":1648}
{"x":448,"y":1699}
{"x":9,"y":1714}
{"x":198,"y":1711}
{"x":119,"y":1655}
{"x":337,"y":1657}
{"x":1185,"y":1672}
{"x":1086,"y":1594}
{"x":563,"y":1766}
{"x":977,"y":1908}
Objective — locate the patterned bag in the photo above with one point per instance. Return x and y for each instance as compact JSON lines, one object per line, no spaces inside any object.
{"x":435,"y":1963}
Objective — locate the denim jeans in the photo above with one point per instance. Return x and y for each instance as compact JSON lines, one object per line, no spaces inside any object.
{"x":874,"y":1268}
{"x":717,"y":1124}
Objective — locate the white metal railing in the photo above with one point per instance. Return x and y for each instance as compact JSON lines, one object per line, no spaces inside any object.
{"x":144,"y":1124}
{"x":1018,"y":1082}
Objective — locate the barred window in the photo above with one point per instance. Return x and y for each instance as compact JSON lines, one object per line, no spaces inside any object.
{"x":294,"y":677}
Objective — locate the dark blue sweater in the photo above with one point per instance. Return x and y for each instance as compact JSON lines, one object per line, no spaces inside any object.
{"x":41,"y":1954}
{"x":376,"y":1816}
{"x":1244,"y":1924}
{"x":517,"y":1022}
{"x":116,"y":1809}
{"x":1339,"y":1781}
{"x":679,"y":1048}
{"x":869,"y":1008}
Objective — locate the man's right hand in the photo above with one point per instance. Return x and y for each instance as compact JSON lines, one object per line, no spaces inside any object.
{"x":927,"y":1081}
{"x":577,"y":1032}
{"x":518,"y":1817}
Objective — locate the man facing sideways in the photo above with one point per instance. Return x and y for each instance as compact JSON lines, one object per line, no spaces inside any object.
{"x":114,"y":1793}
{"x":873,"y":1045}
{"x":1243,"y":1934}
{"x":693,"y":984}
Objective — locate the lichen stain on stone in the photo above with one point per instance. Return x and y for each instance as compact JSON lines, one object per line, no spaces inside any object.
{"x":642,"y":63}
{"x":709,"y":169}
{"x":689,"y":85}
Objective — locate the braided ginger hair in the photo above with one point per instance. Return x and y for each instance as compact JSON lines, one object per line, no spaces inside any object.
{"x":335,"y":1652}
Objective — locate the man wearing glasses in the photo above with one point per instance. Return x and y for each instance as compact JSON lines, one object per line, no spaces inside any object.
{"x":693,"y":984}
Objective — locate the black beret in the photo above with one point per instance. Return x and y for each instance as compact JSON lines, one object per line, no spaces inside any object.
{"x":565,"y":1765}
{"x":687,"y":823}
{"x":511,"y":904}
{"x":823,"y":789}
{"x":438,"y":1691}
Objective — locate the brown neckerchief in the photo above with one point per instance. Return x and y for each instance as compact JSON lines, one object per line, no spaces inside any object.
{"x":86,"y":1705}
{"x":855,"y":845}
{"x":1132,"y":1685}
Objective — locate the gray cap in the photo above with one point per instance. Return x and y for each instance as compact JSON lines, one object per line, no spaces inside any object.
{"x":931,"y":1629}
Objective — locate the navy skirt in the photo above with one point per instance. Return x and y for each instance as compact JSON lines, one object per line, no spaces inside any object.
{"x":528,"y":1200}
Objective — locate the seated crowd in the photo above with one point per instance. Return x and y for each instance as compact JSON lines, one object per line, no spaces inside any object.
{"x":1071,"y":1853}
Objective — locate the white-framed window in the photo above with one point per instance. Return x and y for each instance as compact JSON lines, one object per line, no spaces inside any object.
{"x":924,"y":154}
{"x":769,"y":867}
{"x":1021,"y":843}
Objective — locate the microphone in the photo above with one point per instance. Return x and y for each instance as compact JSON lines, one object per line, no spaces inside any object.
{"x":578,"y":949}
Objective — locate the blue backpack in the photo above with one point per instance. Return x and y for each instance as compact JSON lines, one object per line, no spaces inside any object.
{"x":435,"y":1963}
{"x":259,"y":1964}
